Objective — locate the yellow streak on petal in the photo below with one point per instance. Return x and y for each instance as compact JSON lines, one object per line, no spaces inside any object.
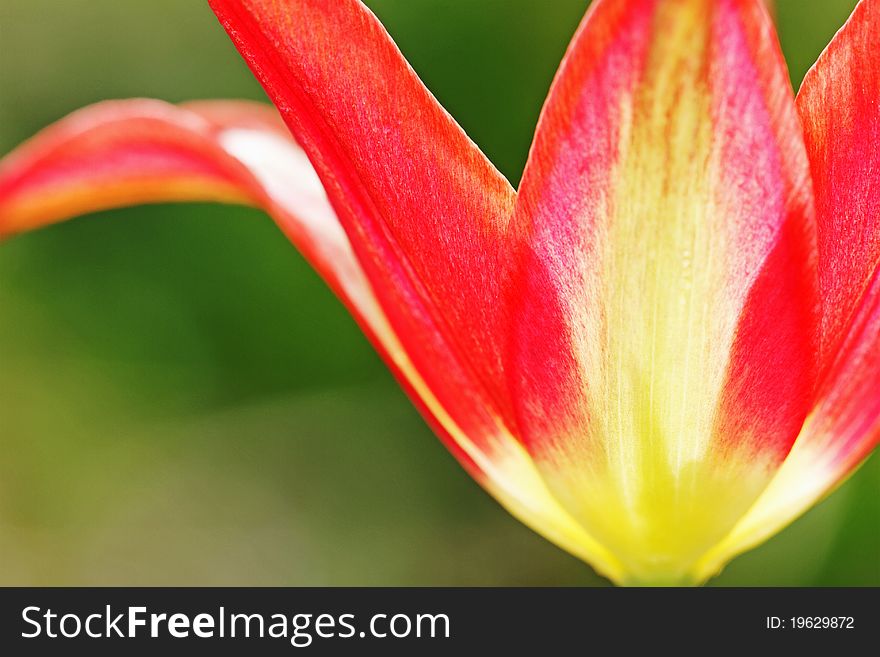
{"x":641,"y":474}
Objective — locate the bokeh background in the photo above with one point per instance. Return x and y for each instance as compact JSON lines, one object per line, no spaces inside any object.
{"x":183,"y":402}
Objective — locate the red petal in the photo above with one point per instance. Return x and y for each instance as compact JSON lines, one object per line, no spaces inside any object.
{"x":839,"y":104}
{"x":427,"y":214}
{"x":668,"y":323}
{"x":144,"y":151}
{"x":116,"y":153}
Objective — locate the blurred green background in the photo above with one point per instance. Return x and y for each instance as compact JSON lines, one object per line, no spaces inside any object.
{"x":183,"y":402}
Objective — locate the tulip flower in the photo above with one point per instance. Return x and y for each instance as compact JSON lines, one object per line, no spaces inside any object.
{"x":658,"y":351}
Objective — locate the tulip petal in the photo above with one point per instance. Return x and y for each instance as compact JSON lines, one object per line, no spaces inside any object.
{"x":140,"y":151}
{"x":667,"y":325}
{"x":76,"y":166}
{"x":839,"y":104}
{"x":121,"y":153}
{"x":427,"y":214}
{"x":428,"y":217}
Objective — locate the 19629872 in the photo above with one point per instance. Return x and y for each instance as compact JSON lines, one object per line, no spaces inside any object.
{"x":811,"y":623}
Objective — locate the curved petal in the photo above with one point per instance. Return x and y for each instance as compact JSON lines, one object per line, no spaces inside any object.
{"x":839,"y":104}
{"x":140,"y":151}
{"x":75,"y":165}
{"x":120,"y":153}
{"x":665,"y":353}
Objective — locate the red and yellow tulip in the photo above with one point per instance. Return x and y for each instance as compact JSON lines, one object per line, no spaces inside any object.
{"x":659,"y":351}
